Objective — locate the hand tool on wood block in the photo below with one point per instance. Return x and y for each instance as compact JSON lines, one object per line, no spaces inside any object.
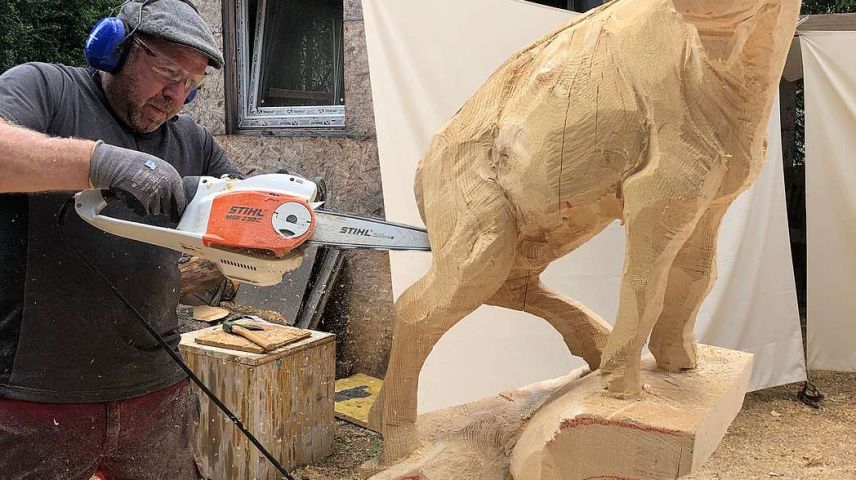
{"x":247,"y":331}
{"x":276,"y":336}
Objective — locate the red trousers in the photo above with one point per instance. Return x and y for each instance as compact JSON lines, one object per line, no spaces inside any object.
{"x":150,"y":437}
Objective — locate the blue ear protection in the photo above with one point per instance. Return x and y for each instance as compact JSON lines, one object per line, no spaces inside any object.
{"x":108,"y":45}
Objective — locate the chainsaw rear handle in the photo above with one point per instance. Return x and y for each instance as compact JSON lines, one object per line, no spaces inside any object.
{"x":90,"y":203}
{"x":190,"y":183}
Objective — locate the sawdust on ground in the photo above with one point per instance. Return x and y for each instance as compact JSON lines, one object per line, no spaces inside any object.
{"x":774,"y":437}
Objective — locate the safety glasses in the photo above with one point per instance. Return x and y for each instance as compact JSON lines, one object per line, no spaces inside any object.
{"x":167,"y":69}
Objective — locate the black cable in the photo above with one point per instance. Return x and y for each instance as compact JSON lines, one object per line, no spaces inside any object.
{"x":63,"y":212}
{"x":810,"y":395}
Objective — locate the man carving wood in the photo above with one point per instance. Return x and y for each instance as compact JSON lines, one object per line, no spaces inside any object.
{"x":652,"y":112}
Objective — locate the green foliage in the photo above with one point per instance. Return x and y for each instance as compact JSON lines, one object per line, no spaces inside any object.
{"x":814,"y":7}
{"x":47,"y":30}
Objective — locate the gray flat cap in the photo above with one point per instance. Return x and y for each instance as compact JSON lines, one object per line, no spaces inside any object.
{"x":174,"y":21}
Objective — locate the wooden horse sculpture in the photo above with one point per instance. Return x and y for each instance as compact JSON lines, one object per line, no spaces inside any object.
{"x":652,"y":112}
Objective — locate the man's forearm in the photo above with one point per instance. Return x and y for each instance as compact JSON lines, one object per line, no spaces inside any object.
{"x":34,"y":162}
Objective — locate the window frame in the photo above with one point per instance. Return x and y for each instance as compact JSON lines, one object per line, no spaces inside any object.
{"x":243,"y":115}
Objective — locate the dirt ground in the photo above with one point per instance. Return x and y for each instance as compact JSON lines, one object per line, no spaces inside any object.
{"x":774,"y":436}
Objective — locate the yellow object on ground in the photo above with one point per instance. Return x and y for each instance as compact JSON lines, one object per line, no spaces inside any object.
{"x":355,"y":396}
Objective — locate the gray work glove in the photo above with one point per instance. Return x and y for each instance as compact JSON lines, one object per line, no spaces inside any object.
{"x":147,"y":184}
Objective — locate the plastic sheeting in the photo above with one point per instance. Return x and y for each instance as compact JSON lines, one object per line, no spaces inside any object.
{"x":426,"y":59}
{"x":830,"y":151}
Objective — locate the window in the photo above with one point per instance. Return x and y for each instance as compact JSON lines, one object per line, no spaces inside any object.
{"x":289,"y":66}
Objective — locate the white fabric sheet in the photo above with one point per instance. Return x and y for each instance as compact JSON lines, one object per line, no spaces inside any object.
{"x":426,"y":59}
{"x":830,"y":143}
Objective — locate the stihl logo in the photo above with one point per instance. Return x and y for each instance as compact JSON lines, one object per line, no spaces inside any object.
{"x":248,"y":211}
{"x":356,"y":231}
{"x":238,"y":213}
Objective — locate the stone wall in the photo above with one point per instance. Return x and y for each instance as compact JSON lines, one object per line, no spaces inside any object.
{"x":360,"y":310}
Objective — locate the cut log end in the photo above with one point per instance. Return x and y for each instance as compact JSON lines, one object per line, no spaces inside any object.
{"x":569,"y":429}
{"x":667,"y":434}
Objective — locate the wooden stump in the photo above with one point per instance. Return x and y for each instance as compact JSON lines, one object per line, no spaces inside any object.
{"x":284,"y":397}
{"x":568,"y":429}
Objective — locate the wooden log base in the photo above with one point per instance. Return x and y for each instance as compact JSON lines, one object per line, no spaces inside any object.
{"x":472,"y":440}
{"x":284,"y":397}
{"x":568,"y":429}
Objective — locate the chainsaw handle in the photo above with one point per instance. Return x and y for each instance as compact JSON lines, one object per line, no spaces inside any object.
{"x":89,"y":204}
{"x":190,"y":184}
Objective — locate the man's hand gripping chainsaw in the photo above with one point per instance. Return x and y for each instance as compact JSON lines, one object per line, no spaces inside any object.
{"x":253,"y":229}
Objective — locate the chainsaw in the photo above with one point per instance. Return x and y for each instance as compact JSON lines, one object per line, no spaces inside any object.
{"x":254,"y":229}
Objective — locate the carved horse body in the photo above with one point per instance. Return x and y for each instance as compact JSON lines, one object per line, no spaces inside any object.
{"x":652,"y":112}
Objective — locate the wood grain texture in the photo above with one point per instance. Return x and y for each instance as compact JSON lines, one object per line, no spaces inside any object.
{"x":207,"y":313}
{"x":474,"y":440}
{"x":270,"y":337}
{"x":198,"y":274}
{"x":284,"y":397}
{"x":650,"y":112}
{"x":566,"y":429}
{"x":668,"y":433}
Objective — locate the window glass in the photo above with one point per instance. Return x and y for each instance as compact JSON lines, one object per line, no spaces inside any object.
{"x":289,"y":66}
{"x":302,"y":54}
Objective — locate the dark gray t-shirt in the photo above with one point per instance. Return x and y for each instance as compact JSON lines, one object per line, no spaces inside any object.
{"x":64,"y":336}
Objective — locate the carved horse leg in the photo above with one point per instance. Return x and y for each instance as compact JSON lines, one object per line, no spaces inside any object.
{"x":691,"y":277}
{"x":663,"y":204}
{"x":583,"y":331}
{"x":471,"y":260}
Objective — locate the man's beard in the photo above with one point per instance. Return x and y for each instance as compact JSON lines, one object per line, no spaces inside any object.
{"x":143,"y":115}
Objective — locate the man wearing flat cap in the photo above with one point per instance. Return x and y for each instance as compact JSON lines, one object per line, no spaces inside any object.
{"x":84,"y":388}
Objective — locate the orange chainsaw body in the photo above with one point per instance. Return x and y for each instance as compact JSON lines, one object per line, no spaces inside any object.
{"x":245,"y":220}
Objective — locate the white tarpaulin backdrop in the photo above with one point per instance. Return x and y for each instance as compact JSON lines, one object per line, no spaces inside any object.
{"x":830,"y":150}
{"x":426,"y":59}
